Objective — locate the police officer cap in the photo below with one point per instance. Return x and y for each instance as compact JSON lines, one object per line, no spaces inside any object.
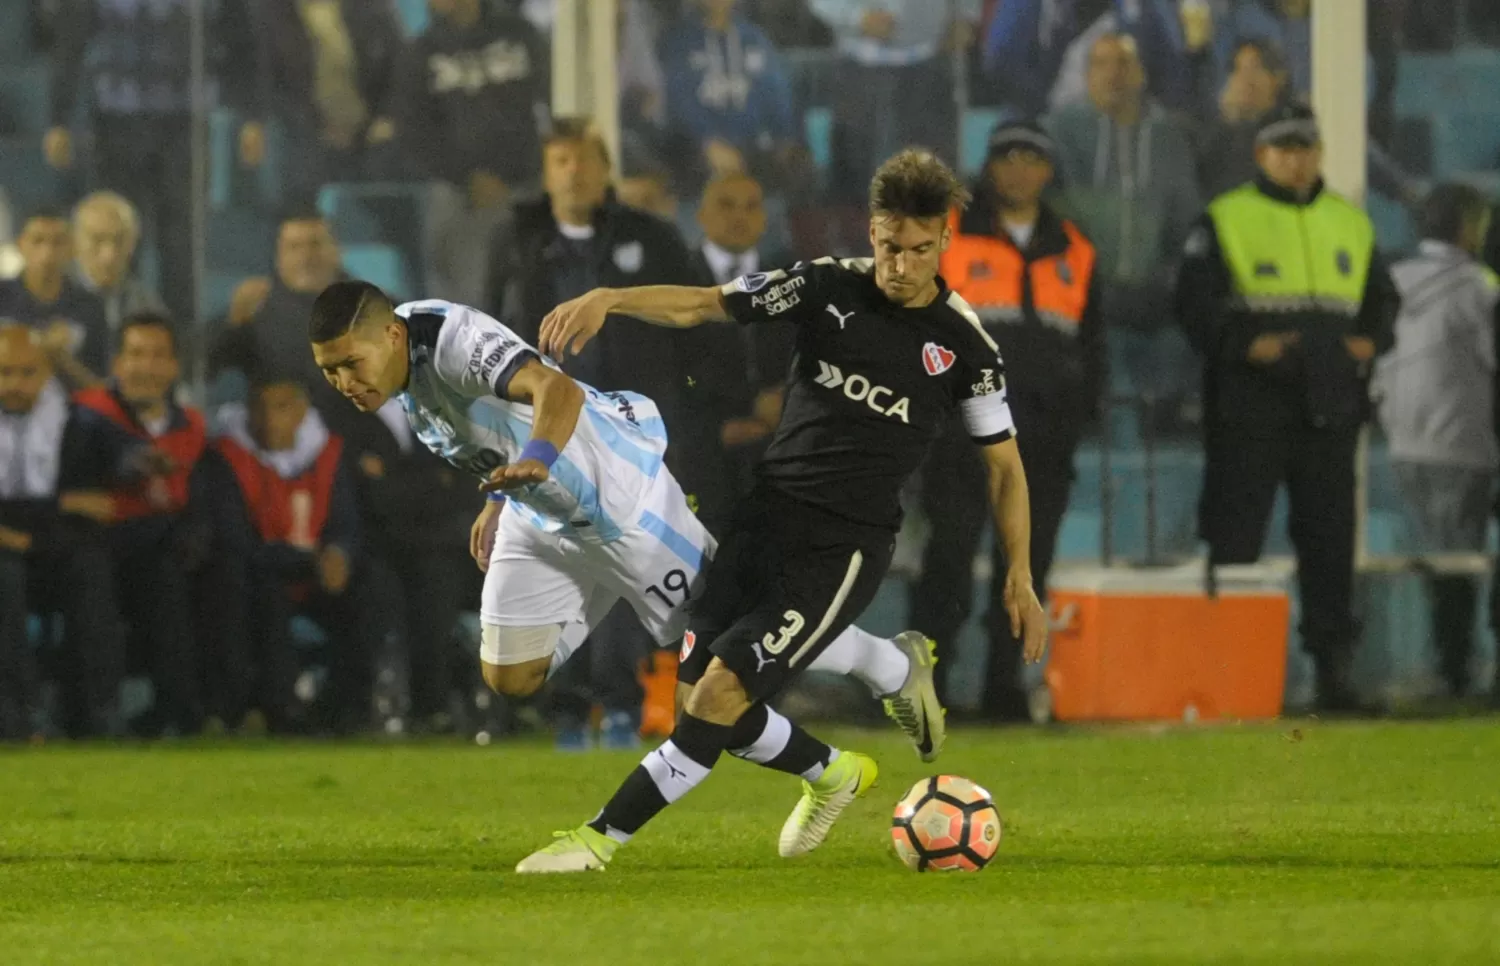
{"x":1025,"y":135}
{"x":1291,"y":125}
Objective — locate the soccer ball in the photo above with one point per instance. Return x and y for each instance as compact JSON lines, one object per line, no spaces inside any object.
{"x":946,"y":823}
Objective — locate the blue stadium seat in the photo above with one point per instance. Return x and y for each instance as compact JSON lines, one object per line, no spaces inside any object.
{"x":382,"y":265}
{"x":817,"y":123}
{"x":1428,"y":84}
{"x":413,"y":16}
{"x":217,"y":288}
{"x":1465,"y":141}
{"x":974,"y":138}
{"x":353,"y":223}
{"x":1394,"y":231}
{"x":24,"y":98}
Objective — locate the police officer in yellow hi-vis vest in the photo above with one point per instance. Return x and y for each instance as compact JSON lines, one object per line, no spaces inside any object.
{"x":1285,"y":297}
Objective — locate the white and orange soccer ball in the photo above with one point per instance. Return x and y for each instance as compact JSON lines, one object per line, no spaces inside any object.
{"x":946,"y":823}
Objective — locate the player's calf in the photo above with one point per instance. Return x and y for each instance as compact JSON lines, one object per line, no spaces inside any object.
{"x":719,"y":696}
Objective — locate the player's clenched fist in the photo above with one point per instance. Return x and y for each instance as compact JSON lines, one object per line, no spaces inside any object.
{"x":514,"y":475}
{"x":572,"y":324}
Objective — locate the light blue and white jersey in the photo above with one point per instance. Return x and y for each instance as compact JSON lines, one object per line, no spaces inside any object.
{"x":461,"y":362}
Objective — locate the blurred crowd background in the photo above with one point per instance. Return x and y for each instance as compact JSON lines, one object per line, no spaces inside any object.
{"x":196,"y":534}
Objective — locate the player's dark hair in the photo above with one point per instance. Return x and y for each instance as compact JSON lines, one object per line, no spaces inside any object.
{"x":299,"y":211}
{"x":1269,"y":52}
{"x":45,"y":213}
{"x":575,"y":128}
{"x":1451,"y":208}
{"x":916,"y":184}
{"x":343,"y":305}
{"x":147,"y":320}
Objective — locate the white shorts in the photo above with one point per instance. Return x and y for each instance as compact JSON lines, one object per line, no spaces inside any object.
{"x":538,"y":578}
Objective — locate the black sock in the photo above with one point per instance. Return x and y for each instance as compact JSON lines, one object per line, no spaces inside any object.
{"x":663,"y":776}
{"x":769,"y":739}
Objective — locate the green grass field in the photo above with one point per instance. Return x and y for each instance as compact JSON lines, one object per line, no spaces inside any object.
{"x":1297,"y":843}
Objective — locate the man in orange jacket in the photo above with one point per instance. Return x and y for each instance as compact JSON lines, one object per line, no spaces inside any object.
{"x":1029,"y":274}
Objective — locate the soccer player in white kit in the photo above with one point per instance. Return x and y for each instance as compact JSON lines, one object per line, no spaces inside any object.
{"x":581,"y":510}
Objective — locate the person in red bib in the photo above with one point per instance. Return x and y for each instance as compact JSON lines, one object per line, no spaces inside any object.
{"x":156,"y":532}
{"x":287,"y":529}
{"x":1029,"y":275}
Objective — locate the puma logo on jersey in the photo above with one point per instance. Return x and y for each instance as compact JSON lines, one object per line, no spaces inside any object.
{"x":857,"y":388}
{"x":760,"y":657}
{"x":841,"y":316}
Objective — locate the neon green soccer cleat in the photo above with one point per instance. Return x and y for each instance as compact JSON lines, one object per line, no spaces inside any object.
{"x":915,"y":708}
{"x":848,"y":778}
{"x":580,"y":850}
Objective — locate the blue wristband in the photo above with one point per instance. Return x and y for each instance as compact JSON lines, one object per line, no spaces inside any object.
{"x":495,"y":496}
{"x":540,"y":450}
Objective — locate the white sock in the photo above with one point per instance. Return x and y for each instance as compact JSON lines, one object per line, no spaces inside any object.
{"x":876,"y":661}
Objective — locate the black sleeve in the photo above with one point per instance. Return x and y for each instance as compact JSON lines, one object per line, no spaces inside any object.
{"x":1202,"y":300}
{"x":1382,"y":302}
{"x":983,"y":400}
{"x":74,"y":22}
{"x":342,"y":527}
{"x":793,"y":295}
{"x":94,"y":453}
{"x":223,"y":506}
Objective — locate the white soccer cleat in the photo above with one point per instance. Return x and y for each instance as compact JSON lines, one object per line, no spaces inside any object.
{"x":915,"y":708}
{"x":581,"y":850}
{"x":848,"y":778}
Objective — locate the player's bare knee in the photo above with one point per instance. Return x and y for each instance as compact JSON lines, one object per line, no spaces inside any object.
{"x":515,"y":660}
{"x":515,"y":680}
{"x":719,"y":696}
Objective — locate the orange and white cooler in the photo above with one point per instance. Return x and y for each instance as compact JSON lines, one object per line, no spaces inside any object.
{"x":1148,"y":644}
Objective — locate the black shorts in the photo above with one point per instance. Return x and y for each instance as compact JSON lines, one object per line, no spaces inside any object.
{"x":787,"y":579}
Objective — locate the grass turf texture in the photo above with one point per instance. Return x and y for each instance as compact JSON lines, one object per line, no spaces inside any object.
{"x":1297,"y":843}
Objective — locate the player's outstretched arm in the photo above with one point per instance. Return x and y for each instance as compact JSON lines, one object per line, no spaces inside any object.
{"x":572,"y":324}
{"x":1010,"y":502}
{"x":556,"y":402}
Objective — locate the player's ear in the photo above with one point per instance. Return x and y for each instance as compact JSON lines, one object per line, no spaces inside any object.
{"x":947,"y":237}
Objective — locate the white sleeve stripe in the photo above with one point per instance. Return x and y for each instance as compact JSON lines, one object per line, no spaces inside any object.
{"x":987,"y":415}
{"x":956,"y":303}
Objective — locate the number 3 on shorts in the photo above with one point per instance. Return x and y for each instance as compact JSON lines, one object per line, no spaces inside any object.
{"x":775,"y":645}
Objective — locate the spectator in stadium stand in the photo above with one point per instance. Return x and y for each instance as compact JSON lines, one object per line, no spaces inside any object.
{"x":1029,"y":275}
{"x":737,"y":373}
{"x":268,"y":316}
{"x":157,"y":534}
{"x":131,"y":57}
{"x":893,"y":85}
{"x":106,"y":230}
{"x":474,"y":61}
{"x":286,"y":515}
{"x":10,"y":259}
{"x":1258,"y":82}
{"x":70,"y":318}
{"x":1286,"y":299}
{"x":56,"y":462}
{"x":728,"y":96}
{"x":575,"y":238}
{"x":417,"y":512}
{"x":1129,"y":181}
{"x":1037,"y":52}
{"x":1256,"y":85}
{"x":325,"y":71}
{"x":1436,"y":399}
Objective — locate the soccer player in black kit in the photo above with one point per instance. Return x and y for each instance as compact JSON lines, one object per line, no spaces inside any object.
{"x":885,"y":353}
